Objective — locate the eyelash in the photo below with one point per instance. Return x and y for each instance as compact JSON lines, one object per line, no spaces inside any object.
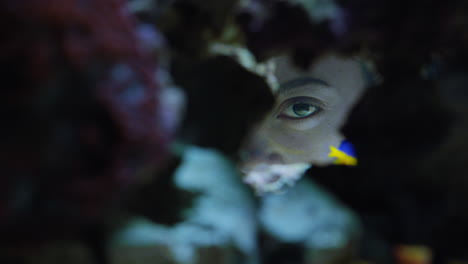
{"x":318,"y":104}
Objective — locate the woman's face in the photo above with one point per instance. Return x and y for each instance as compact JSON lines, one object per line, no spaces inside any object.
{"x":311,"y":106}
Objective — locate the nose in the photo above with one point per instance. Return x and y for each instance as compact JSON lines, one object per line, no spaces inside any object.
{"x":260,"y":156}
{"x":257,"y":152}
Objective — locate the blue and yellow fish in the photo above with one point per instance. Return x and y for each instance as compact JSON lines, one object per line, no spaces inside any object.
{"x":344,"y":154}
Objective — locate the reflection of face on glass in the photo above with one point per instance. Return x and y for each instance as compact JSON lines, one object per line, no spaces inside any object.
{"x":311,"y":106}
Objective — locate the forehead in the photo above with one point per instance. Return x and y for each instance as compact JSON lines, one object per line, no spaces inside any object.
{"x":342,"y":74}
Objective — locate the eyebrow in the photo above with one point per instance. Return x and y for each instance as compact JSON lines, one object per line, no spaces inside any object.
{"x":301,"y":81}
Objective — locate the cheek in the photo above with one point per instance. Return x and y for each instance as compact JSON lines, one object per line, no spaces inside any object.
{"x":303,"y":146}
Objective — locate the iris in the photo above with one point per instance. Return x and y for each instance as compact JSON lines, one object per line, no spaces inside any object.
{"x":303,"y":109}
{"x":300,"y":107}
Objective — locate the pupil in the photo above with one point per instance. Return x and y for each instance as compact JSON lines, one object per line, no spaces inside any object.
{"x":302,"y":109}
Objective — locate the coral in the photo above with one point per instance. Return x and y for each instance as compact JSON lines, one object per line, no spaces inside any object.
{"x":80,"y":114}
{"x":88,"y":114}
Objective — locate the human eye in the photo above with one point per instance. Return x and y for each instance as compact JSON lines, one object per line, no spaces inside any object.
{"x":300,"y":108}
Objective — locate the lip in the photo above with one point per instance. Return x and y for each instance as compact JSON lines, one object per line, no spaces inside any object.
{"x":265,"y":178}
